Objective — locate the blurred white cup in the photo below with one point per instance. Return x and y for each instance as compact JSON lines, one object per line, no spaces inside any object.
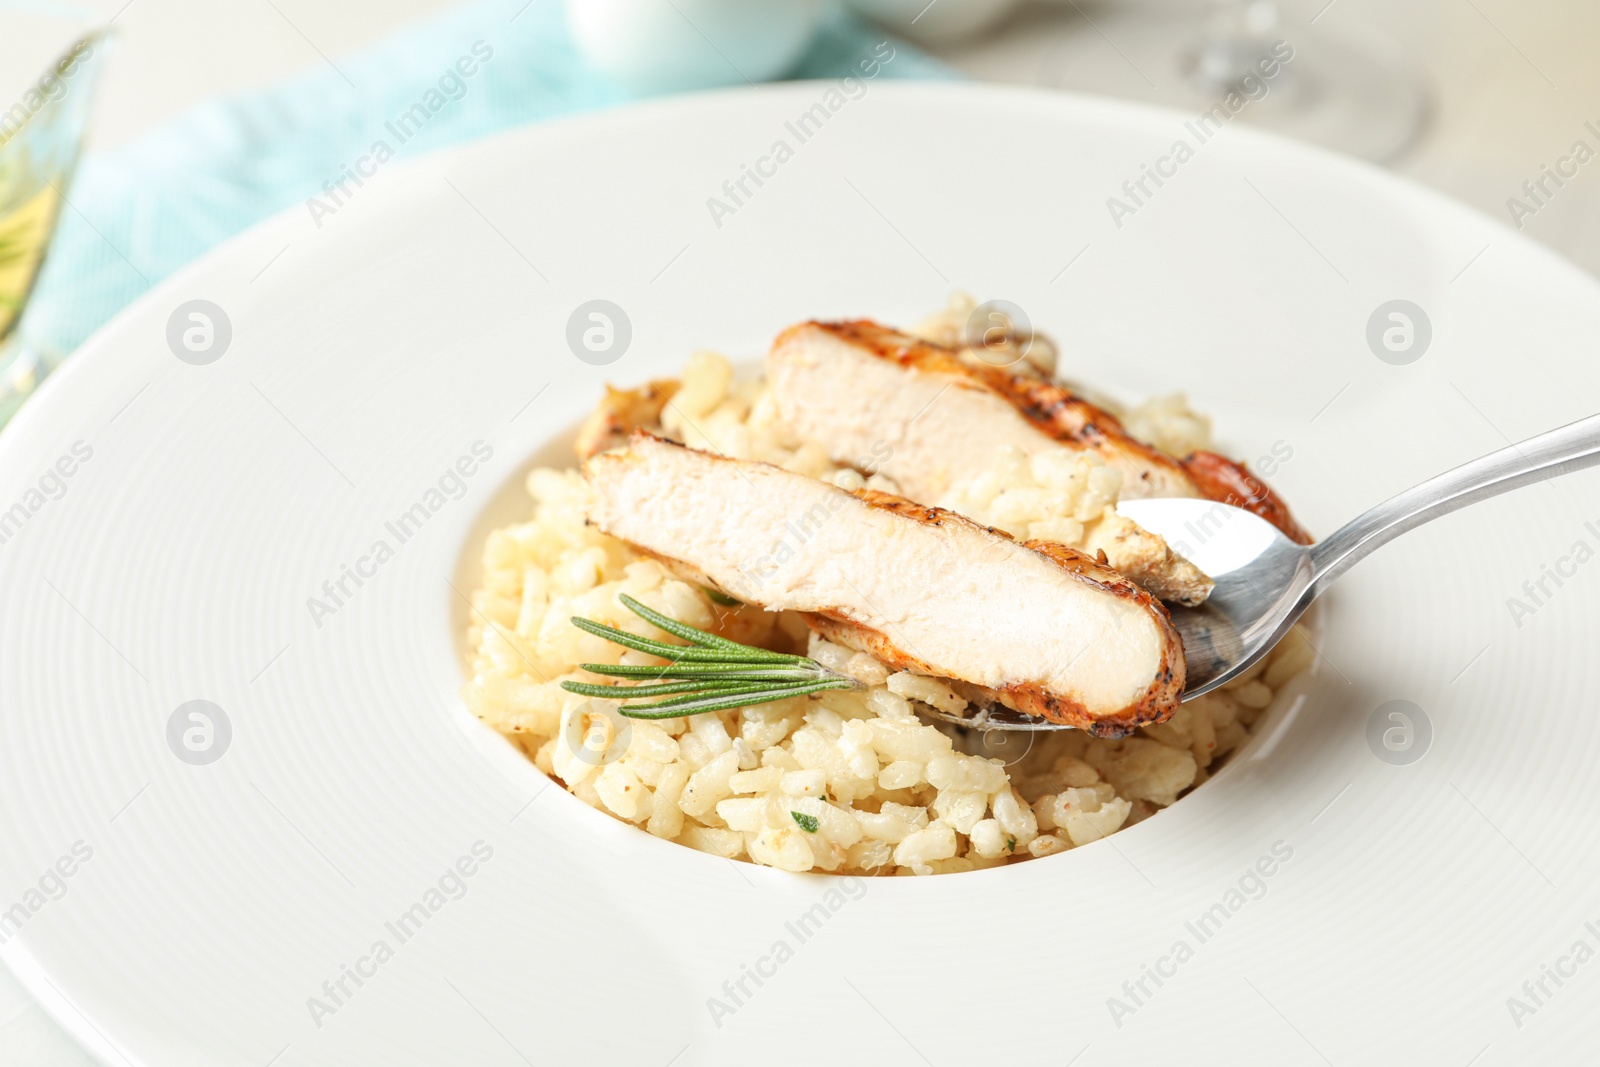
{"x":936,"y":23}
{"x":652,"y":46}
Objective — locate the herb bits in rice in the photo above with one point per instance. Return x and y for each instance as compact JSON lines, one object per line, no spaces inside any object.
{"x":847,"y":782}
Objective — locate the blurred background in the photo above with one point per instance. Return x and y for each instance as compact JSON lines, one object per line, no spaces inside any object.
{"x":203,"y":118}
{"x":196,"y":119}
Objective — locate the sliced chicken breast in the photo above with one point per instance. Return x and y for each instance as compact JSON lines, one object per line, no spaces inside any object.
{"x":853,"y":385}
{"x":1036,"y":626}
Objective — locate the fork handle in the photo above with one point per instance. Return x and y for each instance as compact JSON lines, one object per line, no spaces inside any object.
{"x":1561,"y":451}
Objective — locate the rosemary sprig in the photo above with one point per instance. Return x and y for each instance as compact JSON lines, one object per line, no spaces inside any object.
{"x":710,"y":673}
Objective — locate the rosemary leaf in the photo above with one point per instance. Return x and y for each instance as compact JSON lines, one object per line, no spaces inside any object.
{"x":683,"y":630}
{"x":734,"y":672}
{"x":715,"y":702}
{"x":639,"y":692}
{"x":755,"y":689}
{"x":679,"y":652}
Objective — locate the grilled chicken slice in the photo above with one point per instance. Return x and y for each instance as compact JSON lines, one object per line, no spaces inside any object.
{"x":1036,"y":626}
{"x":851,"y":385}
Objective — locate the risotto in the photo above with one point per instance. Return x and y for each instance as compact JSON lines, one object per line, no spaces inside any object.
{"x":842,"y":781}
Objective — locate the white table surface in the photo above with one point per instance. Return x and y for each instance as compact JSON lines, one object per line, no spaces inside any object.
{"x":1513,"y":83}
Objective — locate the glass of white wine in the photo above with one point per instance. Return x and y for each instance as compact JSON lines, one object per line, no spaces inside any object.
{"x":41,"y":134}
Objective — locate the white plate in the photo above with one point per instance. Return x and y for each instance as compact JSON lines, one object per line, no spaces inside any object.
{"x":429,"y":312}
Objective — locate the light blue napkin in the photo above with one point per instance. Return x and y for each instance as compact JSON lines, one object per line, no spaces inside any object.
{"x":141,"y":211}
